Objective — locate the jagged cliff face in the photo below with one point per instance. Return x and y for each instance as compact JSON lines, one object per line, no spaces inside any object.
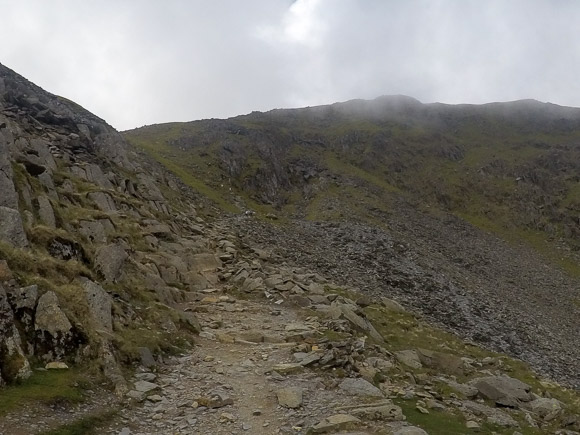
{"x":88,"y":239}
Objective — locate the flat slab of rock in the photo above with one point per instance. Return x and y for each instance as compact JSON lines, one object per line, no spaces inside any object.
{"x":334,"y":423}
{"x":56,"y":365}
{"x":504,"y":389}
{"x":310,"y":358}
{"x":288,"y":368}
{"x":290,"y":397}
{"x":361,"y":323}
{"x":145,"y":386}
{"x":360,"y":387}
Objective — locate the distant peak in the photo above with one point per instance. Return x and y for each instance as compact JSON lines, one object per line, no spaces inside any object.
{"x":398,"y":99}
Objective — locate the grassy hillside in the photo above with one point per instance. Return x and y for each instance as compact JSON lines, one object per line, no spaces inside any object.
{"x":510,"y":168}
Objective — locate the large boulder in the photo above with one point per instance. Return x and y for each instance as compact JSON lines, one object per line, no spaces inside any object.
{"x":360,"y":322}
{"x":384,"y":411}
{"x":445,"y":362}
{"x":148,"y":188}
{"x":109,"y":261}
{"x":503,"y":390}
{"x":11,"y":229}
{"x":54,"y":332}
{"x":94,"y":174}
{"x":545,"y":407}
{"x":360,"y":387}
{"x":410,"y":358}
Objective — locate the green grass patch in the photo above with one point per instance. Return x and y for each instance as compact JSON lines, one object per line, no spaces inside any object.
{"x":27,"y":263}
{"x":436,"y":422}
{"x":45,"y":387}
{"x":196,"y":184}
{"x":336,"y":164}
{"x":87,"y":425}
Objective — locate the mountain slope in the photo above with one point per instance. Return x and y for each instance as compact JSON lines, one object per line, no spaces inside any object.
{"x":508,"y":167}
{"x":470,"y":213}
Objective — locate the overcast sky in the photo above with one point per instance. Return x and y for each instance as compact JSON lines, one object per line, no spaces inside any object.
{"x":137,"y":62}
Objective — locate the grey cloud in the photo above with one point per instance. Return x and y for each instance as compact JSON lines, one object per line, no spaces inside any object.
{"x":140,"y":62}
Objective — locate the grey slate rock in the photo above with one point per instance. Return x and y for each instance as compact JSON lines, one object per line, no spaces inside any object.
{"x":100,"y":304}
{"x":360,"y":387}
{"x":502,"y":388}
{"x":11,"y":229}
{"x":147,"y":359}
{"x":46,"y":212}
{"x":13,"y":362}
{"x":109,"y":261}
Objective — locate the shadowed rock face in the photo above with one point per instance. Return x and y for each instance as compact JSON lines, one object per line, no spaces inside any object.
{"x":14,"y":365}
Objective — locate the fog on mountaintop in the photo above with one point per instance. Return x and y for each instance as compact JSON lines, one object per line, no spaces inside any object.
{"x":147,"y":62}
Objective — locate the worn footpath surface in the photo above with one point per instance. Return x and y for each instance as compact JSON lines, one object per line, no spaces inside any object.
{"x":282,"y":350}
{"x":299,"y":355}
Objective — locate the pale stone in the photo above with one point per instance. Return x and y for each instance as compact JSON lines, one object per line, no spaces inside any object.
{"x":145,"y":386}
{"x":409,"y":358}
{"x":360,"y":387}
{"x":56,"y":365}
{"x":290,"y":397}
{"x":335,"y":423}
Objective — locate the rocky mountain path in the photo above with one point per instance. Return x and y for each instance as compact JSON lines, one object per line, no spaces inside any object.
{"x":241,"y":377}
{"x":282,"y":350}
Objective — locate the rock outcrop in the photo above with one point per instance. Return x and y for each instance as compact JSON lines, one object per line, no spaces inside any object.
{"x":88,"y":238}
